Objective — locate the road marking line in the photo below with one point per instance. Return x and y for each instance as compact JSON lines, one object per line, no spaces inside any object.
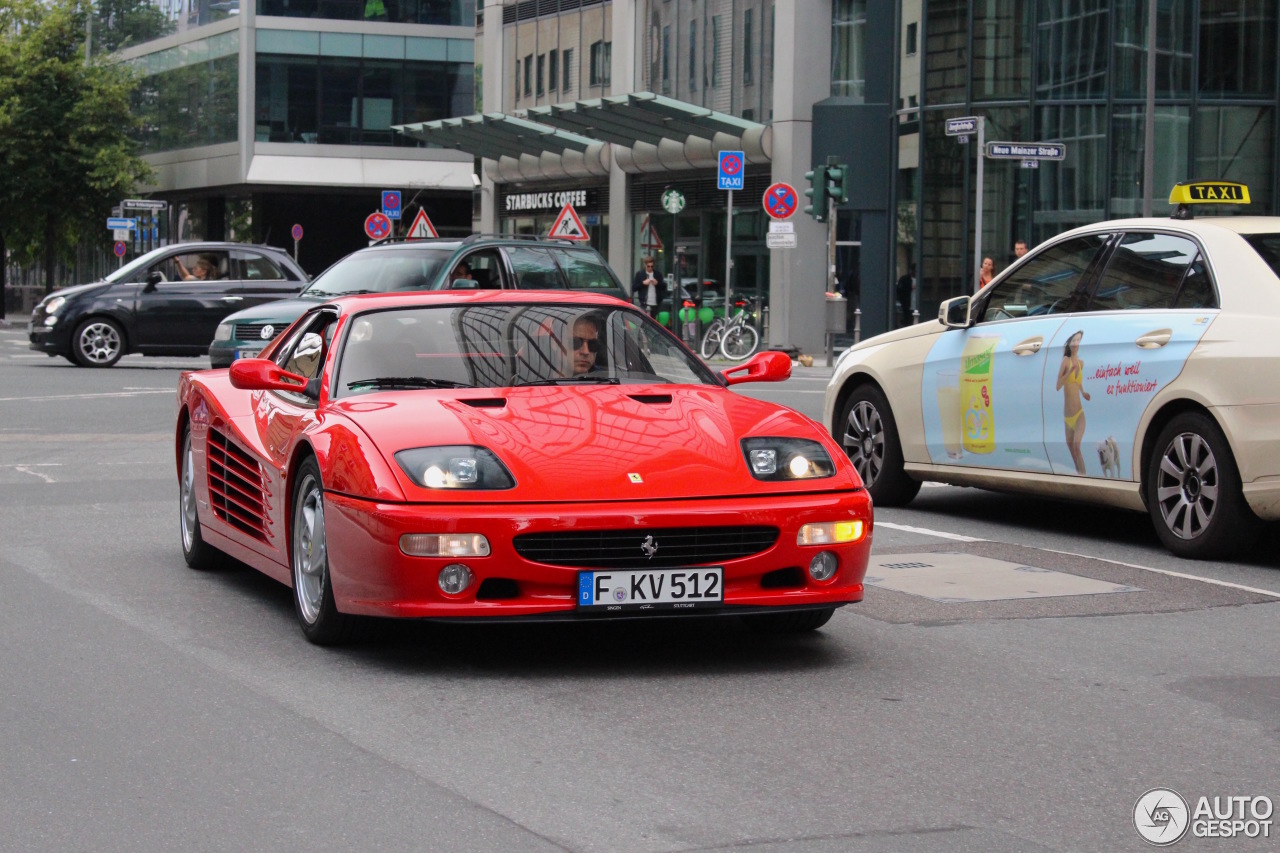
{"x":26,"y":469}
{"x":942,"y":534}
{"x":86,"y":396}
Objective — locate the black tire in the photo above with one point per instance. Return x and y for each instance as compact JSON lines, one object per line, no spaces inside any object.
{"x":313,"y":602}
{"x":1193,"y":491}
{"x":798,"y":622}
{"x":97,"y":342}
{"x":198,"y":553}
{"x":869,"y":435}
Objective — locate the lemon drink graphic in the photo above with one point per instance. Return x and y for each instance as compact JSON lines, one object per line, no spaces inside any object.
{"x":979,"y":426}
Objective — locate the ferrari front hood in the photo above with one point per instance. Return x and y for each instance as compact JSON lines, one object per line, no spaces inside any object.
{"x":611,"y":443}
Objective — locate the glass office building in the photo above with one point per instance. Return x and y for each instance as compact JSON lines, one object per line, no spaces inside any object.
{"x":1073,"y":72}
{"x":260,"y":116}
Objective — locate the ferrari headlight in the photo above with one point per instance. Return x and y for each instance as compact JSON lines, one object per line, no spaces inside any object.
{"x":457,"y":466}
{"x":787,"y":459}
{"x":830,"y":533}
{"x":54,"y":304}
{"x":224,"y":332}
{"x":444,"y":545}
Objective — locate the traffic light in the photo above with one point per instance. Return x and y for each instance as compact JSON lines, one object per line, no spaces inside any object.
{"x":817,"y":192}
{"x":838,"y":183}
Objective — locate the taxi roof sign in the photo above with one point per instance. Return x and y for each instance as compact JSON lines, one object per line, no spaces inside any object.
{"x":1209,"y":192}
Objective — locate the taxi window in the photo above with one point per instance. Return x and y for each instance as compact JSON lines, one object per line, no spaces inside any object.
{"x":1145,"y":271}
{"x":1052,"y":281}
{"x":1197,"y":287}
{"x":1268,"y":248}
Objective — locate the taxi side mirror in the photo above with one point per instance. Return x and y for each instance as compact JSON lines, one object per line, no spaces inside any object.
{"x":764,"y":367}
{"x":954,"y":313}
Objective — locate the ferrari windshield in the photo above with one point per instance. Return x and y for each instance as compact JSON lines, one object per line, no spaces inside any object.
{"x":510,"y":345}
{"x":382,"y":271}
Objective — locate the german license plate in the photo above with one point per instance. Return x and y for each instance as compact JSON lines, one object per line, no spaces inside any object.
{"x":248,"y":353}
{"x":669,"y":589}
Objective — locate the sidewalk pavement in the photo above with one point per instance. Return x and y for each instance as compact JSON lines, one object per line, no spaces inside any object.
{"x":15,"y":321}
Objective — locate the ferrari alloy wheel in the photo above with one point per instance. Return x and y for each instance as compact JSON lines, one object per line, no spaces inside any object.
{"x":1193,"y":490}
{"x":312,"y":589}
{"x":800,"y":622}
{"x":869,"y":437}
{"x":97,"y":342}
{"x":198,"y":553}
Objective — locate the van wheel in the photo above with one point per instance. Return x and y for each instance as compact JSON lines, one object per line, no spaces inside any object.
{"x":869,"y":435}
{"x":1193,"y":491}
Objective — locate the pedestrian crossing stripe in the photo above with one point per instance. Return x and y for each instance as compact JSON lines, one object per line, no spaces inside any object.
{"x":421,"y":228}
{"x":568,"y":226}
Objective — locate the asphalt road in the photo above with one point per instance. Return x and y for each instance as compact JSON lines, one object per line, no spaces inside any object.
{"x":145,"y":706}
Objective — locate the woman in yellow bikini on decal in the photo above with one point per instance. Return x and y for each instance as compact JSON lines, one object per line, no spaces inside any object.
{"x":1071,"y":383}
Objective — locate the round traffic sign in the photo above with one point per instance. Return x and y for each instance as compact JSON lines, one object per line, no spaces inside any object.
{"x":730,"y":164}
{"x":297,"y":232}
{"x":377,"y":226}
{"x":780,"y":200}
{"x":120,"y":249}
{"x":673,"y":201}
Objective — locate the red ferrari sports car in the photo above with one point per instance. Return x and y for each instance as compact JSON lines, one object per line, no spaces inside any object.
{"x":521,"y":454}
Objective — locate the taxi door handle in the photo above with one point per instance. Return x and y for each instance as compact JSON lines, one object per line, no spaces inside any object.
{"x":1030,"y":346}
{"x":1154,"y":340}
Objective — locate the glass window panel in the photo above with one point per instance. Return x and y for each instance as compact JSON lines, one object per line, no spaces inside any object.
{"x":341,"y":44}
{"x":585,"y":270}
{"x":1174,"y":36}
{"x":462,"y":50}
{"x":1144,"y":272}
{"x":568,"y":67}
{"x":448,"y":12}
{"x":188,"y":106}
{"x":1074,"y":191}
{"x":287,"y":41}
{"x":1007,"y":188}
{"x":1172,"y":132}
{"x":553,"y":70}
{"x":1050,"y":281}
{"x":339,"y":105}
{"x":285,"y":101}
{"x":693,"y":56}
{"x":534,"y":269}
{"x":384,"y":47}
{"x":946,"y":51}
{"x":1237,"y":48}
{"x":1072,"y":49}
{"x":1001,"y":50}
{"x":426,"y":49}
{"x":942,"y":216}
{"x":1235,"y":144}
{"x":748,"y":58}
{"x":848,"y":49}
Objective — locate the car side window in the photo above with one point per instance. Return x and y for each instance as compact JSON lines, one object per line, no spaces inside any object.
{"x":194,"y":267}
{"x":256,"y":267}
{"x":479,"y":270}
{"x":1144,"y":271}
{"x":534,"y":269}
{"x":1054,"y":280}
{"x":585,"y":270}
{"x":305,"y":352}
{"x":1196,"y":290}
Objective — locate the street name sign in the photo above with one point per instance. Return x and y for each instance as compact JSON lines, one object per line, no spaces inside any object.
{"x":144,"y":203}
{"x":962,"y":126}
{"x":780,"y":241}
{"x":1026,"y":151}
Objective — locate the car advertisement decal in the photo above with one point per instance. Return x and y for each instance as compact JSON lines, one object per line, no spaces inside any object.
{"x":981,"y":395}
{"x":1104,"y":371}
{"x":1059,"y":394}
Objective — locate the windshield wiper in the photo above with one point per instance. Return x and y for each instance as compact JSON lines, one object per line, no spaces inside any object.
{"x":339,"y":292}
{"x":585,"y":379}
{"x":384,"y":382}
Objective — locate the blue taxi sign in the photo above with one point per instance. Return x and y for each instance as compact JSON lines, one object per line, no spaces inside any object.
{"x":729,"y":176}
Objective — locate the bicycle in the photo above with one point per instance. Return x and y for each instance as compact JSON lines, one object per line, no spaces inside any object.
{"x":733,"y":338}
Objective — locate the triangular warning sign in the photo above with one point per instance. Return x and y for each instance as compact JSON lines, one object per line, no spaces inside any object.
{"x":568,"y":226}
{"x":649,"y":238}
{"x":421,"y":228}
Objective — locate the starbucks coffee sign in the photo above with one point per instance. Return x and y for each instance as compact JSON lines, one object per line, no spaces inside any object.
{"x":580,"y":199}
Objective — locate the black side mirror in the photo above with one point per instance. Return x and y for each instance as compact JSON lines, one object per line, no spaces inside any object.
{"x":153,"y":278}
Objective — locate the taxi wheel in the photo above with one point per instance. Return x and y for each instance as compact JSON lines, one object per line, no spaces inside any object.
{"x":1193,"y":491}
{"x":800,"y":622}
{"x":313,"y":601}
{"x":97,"y":342}
{"x":197,"y":553}
{"x":869,"y":435}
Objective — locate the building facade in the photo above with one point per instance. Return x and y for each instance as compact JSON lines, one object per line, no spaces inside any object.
{"x":265,"y":114}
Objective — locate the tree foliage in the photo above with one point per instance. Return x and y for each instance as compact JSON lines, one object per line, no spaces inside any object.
{"x":67,"y":156}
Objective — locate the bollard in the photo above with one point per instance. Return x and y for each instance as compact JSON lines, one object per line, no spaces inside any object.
{"x":857,"y":325}
{"x":764,"y":326}
{"x":915,"y":316}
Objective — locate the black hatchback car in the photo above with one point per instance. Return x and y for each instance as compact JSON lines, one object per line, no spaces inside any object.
{"x":166,"y":302}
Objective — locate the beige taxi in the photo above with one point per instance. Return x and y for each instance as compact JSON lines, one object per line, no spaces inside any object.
{"x":1133,"y":363}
